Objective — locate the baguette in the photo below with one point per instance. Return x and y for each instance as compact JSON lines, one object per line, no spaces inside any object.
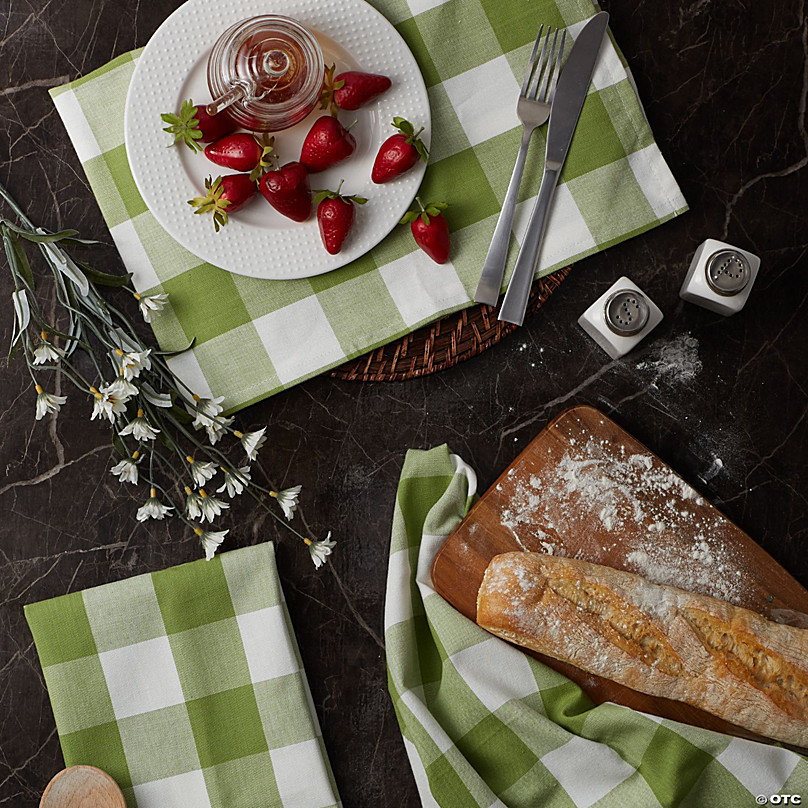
{"x":659,"y":640}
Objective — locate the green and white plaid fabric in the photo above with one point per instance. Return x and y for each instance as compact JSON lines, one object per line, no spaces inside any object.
{"x":486,"y":725}
{"x":186,"y":686}
{"x":257,"y":337}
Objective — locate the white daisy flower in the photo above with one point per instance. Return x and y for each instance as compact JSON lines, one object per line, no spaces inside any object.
{"x":217,"y":429}
{"x":252,"y":441}
{"x":153,"y":508}
{"x":122,"y":388}
{"x":47,"y":402}
{"x":235,"y":480}
{"x":287,"y":499}
{"x":210,"y":506}
{"x":140,"y":429}
{"x":131,"y":363}
{"x":192,"y":503}
{"x":320,"y":550}
{"x":149,"y":304}
{"x":205,"y":410}
{"x":107,"y":404}
{"x":126,"y":471}
{"x":201,"y":472}
{"x":45,"y":352}
{"x":211,"y":539}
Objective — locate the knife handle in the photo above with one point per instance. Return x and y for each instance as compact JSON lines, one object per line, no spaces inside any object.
{"x":494,"y":266}
{"x":515,"y":302}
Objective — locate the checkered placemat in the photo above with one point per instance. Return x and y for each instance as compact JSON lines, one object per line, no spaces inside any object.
{"x":486,"y":725}
{"x":186,"y":686}
{"x":257,"y":337}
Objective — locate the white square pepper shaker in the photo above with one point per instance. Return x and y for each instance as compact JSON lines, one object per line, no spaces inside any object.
{"x":620,"y":318}
{"x":720,"y":277}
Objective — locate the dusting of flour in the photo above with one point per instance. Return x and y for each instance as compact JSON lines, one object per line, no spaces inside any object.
{"x":597,"y":497}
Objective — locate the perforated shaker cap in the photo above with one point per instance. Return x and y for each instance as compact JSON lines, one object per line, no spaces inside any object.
{"x":727,"y":272}
{"x":627,"y":312}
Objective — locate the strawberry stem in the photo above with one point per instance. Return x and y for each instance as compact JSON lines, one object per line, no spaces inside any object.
{"x":339,"y":187}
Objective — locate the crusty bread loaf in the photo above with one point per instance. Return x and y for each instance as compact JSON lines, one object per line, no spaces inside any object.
{"x":657,"y":639}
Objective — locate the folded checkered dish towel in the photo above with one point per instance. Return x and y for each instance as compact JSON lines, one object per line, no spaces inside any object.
{"x":486,"y":725}
{"x":256,"y":337}
{"x":186,"y":686}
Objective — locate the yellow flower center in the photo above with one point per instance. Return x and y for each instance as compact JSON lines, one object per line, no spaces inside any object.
{"x":308,"y":542}
{"x":38,"y":390}
{"x":152,"y":493}
{"x":238,"y":434}
{"x":96,"y":393}
{"x":189,"y":458}
{"x":198,"y":531}
{"x":44,"y":335}
{"x":273,"y":494}
{"x":135,"y":455}
{"x":197,"y":399}
{"x":203,"y":493}
{"x":119,"y":352}
{"x":140,"y":413}
{"x":136,"y":295}
{"x":188,"y":491}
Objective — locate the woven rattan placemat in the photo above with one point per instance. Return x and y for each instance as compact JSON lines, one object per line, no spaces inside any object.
{"x":443,"y":344}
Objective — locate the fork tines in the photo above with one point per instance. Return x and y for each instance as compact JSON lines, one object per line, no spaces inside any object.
{"x":544,"y":67}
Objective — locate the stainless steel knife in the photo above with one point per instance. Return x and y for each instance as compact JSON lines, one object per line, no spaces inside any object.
{"x":567,"y":104}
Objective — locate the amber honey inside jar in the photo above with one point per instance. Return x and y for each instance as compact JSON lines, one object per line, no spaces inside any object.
{"x":269,"y":69}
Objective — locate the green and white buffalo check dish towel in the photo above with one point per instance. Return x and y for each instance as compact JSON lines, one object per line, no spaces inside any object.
{"x":486,"y":725}
{"x":257,"y":337}
{"x":186,"y":686}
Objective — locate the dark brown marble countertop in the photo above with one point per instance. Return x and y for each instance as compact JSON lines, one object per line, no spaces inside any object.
{"x":724,"y":83}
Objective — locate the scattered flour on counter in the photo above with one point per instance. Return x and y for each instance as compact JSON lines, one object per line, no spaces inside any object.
{"x":675,"y":361}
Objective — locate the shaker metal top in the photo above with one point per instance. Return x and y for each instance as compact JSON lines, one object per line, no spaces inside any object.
{"x":626,"y":312}
{"x":727,"y":272}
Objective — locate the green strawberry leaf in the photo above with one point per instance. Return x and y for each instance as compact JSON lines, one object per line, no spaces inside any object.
{"x":410,"y":216}
{"x":212,"y":202}
{"x":184,"y":127}
{"x":404,"y":126}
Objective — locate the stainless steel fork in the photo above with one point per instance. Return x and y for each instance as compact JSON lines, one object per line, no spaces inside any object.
{"x":533,"y":109}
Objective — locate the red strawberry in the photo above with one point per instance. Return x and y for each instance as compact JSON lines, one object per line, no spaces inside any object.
{"x":335,"y":215}
{"x":225,"y":195}
{"x":241,"y":152}
{"x":287,"y":190}
{"x":399,"y":153}
{"x":351,"y":90}
{"x":193,"y":124}
{"x":430,"y":230}
{"x":327,"y":143}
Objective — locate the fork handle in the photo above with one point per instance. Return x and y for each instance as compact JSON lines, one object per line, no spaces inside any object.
{"x":515,"y":301}
{"x":494,"y":266}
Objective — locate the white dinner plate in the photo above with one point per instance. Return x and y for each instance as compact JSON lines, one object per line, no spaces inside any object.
{"x":258,"y":241}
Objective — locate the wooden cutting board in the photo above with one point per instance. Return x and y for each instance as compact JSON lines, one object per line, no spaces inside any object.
{"x":584,"y":488}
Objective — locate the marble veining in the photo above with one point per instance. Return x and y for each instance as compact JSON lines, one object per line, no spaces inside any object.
{"x":723,"y":401}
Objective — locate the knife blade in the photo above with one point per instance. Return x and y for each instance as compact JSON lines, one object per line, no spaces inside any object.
{"x":567,"y":104}
{"x":573,"y":84}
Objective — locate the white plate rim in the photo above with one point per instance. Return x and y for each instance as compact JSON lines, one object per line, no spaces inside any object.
{"x":296,"y":251}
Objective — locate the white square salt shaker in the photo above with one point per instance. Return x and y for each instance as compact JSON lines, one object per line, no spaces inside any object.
{"x":620,"y":318}
{"x":720,"y":277}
